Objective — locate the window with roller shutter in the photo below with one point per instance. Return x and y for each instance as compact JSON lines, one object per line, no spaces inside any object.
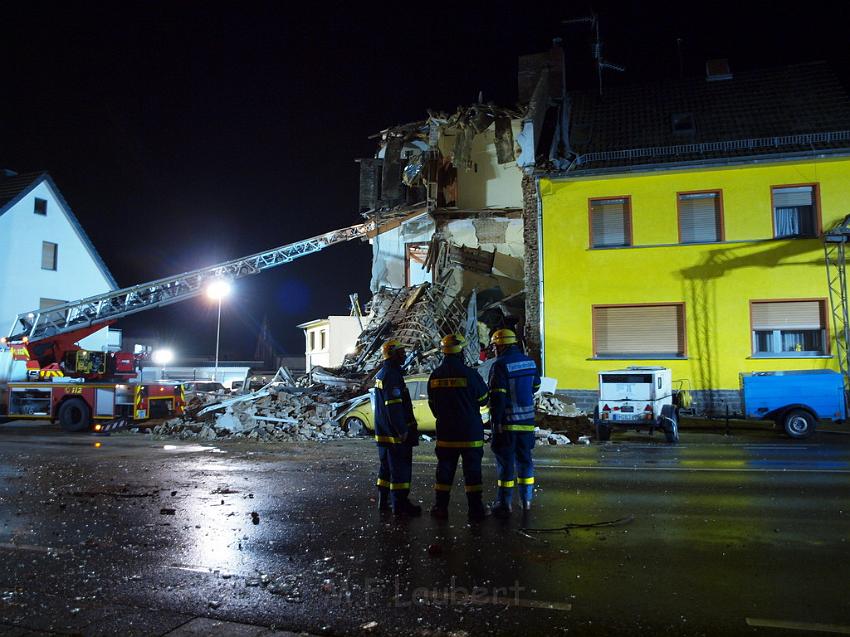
{"x":639,"y":331}
{"x":700,"y":217}
{"x":795,"y":211}
{"x":789,"y":328}
{"x":610,"y":222}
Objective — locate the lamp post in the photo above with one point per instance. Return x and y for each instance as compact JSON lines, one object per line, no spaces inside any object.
{"x":162,"y":357}
{"x":217,"y":290}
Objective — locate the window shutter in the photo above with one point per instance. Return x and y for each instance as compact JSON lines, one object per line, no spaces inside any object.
{"x":793,"y":197}
{"x":788,"y":315}
{"x":609,"y":222}
{"x":48,"y":255}
{"x":644,"y":330}
{"x":699,"y":217}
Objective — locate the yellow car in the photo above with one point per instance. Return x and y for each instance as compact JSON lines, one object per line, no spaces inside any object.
{"x":361,"y":416}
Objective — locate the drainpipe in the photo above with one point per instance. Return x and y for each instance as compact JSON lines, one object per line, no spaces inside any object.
{"x":540,"y":276}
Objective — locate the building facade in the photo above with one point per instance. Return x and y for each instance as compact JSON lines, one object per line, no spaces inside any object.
{"x":696,"y":245}
{"x":327,"y":341}
{"x":46,"y":258}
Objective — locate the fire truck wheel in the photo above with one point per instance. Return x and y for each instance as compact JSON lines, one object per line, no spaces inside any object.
{"x":74,"y":415}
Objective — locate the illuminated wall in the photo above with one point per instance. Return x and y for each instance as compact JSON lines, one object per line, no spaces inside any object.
{"x":715,"y":281}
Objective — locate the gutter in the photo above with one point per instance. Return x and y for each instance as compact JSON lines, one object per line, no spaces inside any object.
{"x":540,"y":276}
{"x":696,"y":163}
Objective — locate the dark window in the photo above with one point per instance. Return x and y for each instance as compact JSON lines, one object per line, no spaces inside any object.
{"x":40,"y":207}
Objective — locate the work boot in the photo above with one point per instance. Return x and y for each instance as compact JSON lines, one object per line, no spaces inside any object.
{"x":439,"y":512}
{"x":501,"y":510}
{"x":406,"y":509}
{"x":479,"y":512}
{"x":384,"y":500}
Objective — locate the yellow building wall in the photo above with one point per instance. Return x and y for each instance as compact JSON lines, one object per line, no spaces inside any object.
{"x":716,"y":281}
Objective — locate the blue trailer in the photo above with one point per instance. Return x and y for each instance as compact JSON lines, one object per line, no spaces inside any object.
{"x":796,"y":400}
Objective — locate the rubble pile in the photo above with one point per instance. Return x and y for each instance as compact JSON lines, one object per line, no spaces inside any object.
{"x":553,"y":405}
{"x":418,"y":316}
{"x":275,"y":413}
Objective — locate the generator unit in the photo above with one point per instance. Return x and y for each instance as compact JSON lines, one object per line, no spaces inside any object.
{"x":636,"y":398}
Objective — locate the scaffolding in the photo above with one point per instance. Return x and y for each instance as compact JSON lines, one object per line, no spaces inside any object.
{"x":835,"y":255}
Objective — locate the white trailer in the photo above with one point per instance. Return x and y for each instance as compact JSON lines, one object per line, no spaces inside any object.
{"x":636,"y":398}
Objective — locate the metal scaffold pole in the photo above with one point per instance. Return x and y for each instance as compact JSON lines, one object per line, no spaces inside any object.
{"x":835,"y":243}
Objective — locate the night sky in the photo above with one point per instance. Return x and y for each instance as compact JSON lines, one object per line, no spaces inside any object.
{"x":187,"y":133}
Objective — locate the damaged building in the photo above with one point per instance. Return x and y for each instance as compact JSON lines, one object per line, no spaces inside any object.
{"x":446,"y":196}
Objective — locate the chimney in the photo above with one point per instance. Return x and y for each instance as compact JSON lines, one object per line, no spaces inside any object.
{"x":717,"y":70}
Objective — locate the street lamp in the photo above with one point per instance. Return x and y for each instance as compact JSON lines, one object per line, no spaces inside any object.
{"x":217,"y":290}
{"x":162,"y":357}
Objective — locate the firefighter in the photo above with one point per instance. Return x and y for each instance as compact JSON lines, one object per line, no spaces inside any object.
{"x":456,"y":394}
{"x":514,"y":379}
{"x":395,"y":433}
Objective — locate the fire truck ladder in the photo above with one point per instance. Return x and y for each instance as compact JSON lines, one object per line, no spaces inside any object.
{"x":106,"y":308}
{"x":835,"y":246}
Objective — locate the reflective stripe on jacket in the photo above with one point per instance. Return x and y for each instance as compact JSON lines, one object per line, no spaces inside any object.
{"x":456,"y":394}
{"x":513,"y":381}
{"x":392,"y":406}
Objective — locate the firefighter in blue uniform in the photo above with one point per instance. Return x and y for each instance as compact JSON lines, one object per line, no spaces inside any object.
{"x":514,"y":379}
{"x":395,"y":433}
{"x":456,"y":394}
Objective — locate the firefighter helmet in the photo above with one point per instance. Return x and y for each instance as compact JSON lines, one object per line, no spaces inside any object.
{"x":503,"y":337}
{"x":452,"y":344}
{"x":391,"y":347}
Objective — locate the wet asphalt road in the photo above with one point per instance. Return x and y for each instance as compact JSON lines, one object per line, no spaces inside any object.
{"x":127,"y":535}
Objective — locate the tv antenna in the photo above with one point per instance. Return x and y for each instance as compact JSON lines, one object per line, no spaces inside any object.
{"x":601,"y":62}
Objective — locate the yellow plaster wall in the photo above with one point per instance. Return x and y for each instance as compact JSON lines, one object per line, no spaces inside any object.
{"x":715,"y":281}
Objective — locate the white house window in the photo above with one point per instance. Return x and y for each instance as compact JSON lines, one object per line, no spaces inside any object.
{"x":610,"y":223}
{"x":700,"y":217}
{"x":48,"y":255}
{"x":40,"y":207}
{"x":789,"y":328}
{"x":639,"y":331}
{"x":323,"y":338}
{"x":795,"y":211}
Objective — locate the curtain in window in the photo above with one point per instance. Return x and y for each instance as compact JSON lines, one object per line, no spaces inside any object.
{"x":794,"y":211}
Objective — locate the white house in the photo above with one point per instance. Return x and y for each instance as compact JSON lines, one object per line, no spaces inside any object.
{"x":45,"y":256}
{"x":327,"y":341}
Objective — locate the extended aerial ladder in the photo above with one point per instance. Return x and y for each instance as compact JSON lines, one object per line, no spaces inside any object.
{"x":72,"y":321}
{"x":835,"y":255}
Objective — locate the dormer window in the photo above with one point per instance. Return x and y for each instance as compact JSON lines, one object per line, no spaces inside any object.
{"x":683,"y":124}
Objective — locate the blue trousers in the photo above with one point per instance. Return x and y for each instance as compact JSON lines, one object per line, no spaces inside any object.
{"x":514,"y":465}
{"x":395,"y":471}
{"x":447,"y":458}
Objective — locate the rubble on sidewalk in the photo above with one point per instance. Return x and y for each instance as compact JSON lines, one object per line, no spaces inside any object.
{"x":554,"y":405}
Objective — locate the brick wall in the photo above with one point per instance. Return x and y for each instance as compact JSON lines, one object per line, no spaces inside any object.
{"x":532,"y":293}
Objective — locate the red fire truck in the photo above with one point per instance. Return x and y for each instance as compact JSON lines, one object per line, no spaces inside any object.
{"x":45,"y":374}
{"x":85,"y":389}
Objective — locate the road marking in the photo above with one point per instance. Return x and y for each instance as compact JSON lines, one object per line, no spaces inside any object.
{"x":32,"y":548}
{"x":790,"y":625}
{"x":543,"y":465}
